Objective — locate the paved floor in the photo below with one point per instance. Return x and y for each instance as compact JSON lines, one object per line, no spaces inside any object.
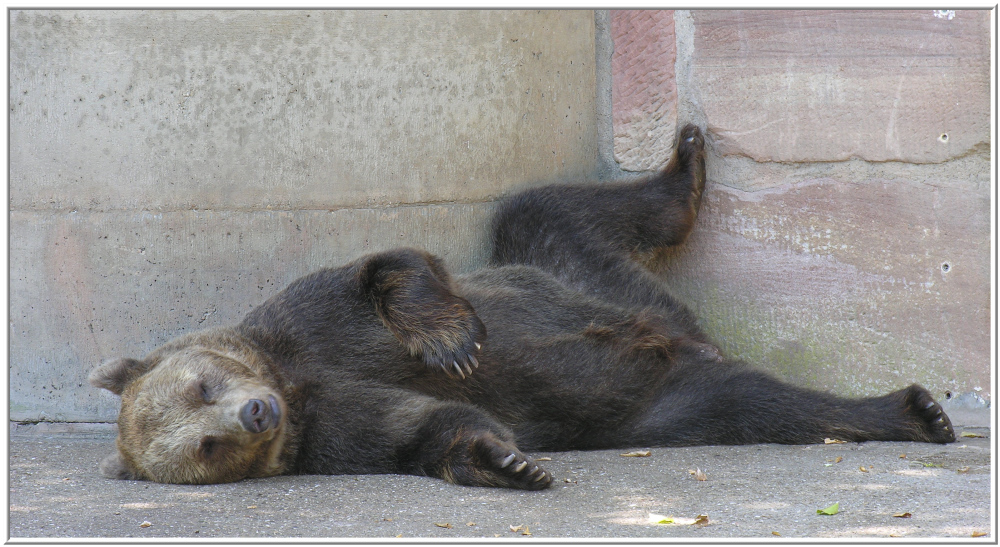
{"x":750,"y":492}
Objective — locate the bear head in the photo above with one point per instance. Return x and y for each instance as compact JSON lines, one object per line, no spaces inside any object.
{"x":204,"y":408}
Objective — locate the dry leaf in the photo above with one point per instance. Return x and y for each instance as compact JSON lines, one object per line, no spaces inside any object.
{"x":979,"y":534}
{"x":902,"y":456}
{"x":443,"y":525}
{"x":399,"y":535}
{"x":833,"y":441}
{"x":698,"y":474}
{"x":863,"y":470}
{"x":972,"y":435}
{"x":470,"y":523}
{"x":701,"y":520}
{"x":895,"y":536}
{"x":963,"y":469}
{"x":638,"y":454}
{"x":145,"y":524}
{"x":903,"y":515}
{"x":775,"y":534}
{"x":545,"y":459}
{"x":660,"y":519}
{"x":839,"y":459}
{"x":831,"y":510}
{"x":521,"y":528}
{"x":251,"y":506}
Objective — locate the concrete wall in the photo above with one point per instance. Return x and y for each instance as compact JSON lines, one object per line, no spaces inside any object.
{"x":169,"y":170}
{"x":844,"y":240}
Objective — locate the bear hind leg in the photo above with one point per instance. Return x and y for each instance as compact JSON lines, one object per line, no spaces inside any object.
{"x":744,"y":406}
{"x":683,"y":182}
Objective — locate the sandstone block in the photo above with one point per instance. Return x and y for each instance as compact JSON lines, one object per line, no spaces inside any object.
{"x":814,"y":86}
{"x":860,"y":287}
{"x":644,"y":91}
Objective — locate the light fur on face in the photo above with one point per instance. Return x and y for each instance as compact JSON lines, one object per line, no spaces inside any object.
{"x":179,"y":422}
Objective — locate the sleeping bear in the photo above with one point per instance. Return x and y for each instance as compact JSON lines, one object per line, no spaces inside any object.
{"x":389,"y":364}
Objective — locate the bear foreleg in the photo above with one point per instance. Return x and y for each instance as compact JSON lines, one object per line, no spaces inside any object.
{"x":463,"y":445}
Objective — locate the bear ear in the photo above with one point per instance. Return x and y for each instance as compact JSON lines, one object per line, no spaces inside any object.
{"x":114,"y":467}
{"x":116,"y":374}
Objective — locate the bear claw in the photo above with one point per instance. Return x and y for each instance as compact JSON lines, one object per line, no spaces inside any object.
{"x":508,"y":466}
{"x":458,"y":364}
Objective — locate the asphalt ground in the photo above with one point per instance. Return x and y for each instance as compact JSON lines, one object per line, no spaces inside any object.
{"x":882,"y":490}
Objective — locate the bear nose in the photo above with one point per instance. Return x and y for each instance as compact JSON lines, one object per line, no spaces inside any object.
{"x":256,"y":416}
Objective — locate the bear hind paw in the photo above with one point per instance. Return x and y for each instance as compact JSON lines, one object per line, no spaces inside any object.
{"x":934,"y":423}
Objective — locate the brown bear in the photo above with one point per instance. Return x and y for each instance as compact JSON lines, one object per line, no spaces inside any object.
{"x":384,"y":365}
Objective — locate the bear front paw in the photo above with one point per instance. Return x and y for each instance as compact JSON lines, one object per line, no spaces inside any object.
{"x":412,"y":294}
{"x":500,"y":463}
{"x":525,"y":472}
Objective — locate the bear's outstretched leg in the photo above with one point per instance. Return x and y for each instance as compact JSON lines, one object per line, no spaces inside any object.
{"x":356,"y":427}
{"x":732,"y":404}
{"x":586,"y":235}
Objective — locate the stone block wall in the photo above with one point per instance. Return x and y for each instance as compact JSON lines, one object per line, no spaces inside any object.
{"x":169,"y":170}
{"x":844,"y":241}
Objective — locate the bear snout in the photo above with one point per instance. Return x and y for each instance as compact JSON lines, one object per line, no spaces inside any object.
{"x":258,"y":416}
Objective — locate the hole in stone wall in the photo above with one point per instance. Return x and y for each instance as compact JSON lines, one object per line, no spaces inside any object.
{"x":945,"y":267}
{"x":947,"y":395}
{"x":943,"y":137}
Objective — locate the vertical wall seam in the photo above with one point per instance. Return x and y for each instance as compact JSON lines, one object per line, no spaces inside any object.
{"x":688,"y":106}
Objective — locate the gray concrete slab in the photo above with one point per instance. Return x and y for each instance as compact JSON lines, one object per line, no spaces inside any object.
{"x":238,"y":109}
{"x":750,"y":492}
